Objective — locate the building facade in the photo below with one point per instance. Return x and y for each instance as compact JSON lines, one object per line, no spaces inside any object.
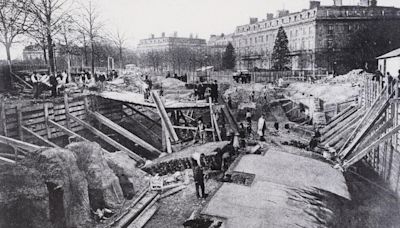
{"x":166,"y":43}
{"x":319,"y":37}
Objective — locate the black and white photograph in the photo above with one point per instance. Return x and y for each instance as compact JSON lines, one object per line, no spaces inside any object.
{"x":199,"y":114}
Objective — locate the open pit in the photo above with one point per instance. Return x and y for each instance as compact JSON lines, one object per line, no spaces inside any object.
{"x":113,"y":158}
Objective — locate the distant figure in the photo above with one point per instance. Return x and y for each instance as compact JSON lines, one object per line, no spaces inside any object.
{"x":230,"y":102}
{"x":313,"y":142}
{"x":198,"y":177}
{"x":390,"y":81}
{"x":35,"y":81}
{"x":168,"y":75}
{"x":377,"y":76}
{"x":261,"y":127}
{"x":214,"y":91}
{"x":276,"y":126}
{"x":200,"y":130}
{"x":248,"y":119}
{"x":161,"y":92}
{"x":398,"y":76}
{"x":242,"y":135}
{"x":53,"y":83}
{"x":102,"y":79}
{"x":252,"y":96}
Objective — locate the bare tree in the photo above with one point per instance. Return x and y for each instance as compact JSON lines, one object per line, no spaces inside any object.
{"x":49,"y":14}
{"x":90,"y":24}
{"x":119,"y":39}
{"x":13,"y":23}
{"x":69,"y":34}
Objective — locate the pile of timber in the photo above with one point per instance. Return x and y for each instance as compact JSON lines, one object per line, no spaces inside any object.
{"x":180,"y":161}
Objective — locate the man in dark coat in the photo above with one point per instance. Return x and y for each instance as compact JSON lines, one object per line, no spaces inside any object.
{"x":198,"y":179}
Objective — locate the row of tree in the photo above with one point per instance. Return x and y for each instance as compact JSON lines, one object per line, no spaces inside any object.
{"x":74,"y":27}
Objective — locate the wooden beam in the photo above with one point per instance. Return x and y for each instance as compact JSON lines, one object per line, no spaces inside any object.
{"x":364,"y":152}
{"x":40,"y":137}
{"x":7,"y":160}
{"x":191,"y":128}
{"x":211,"y":117}
{"x":66,"y":107}
{"x":367,"y":126}
{"x":67,"y":131}
{"x":142,"y":125}
{"x":164,"y":116}
{"x":21,"y":80}
{"x":19,"y":120}
{"x":340,"y":126}
{"x":368,"y":113}
{"x":3,"y":116}
{"x":142,"y":114}
{"x":123,"y":132}
{"x":340,"y":118}
{"x":107,"y":139}
{"x":20,"y":144}
{"x":46,"y":120}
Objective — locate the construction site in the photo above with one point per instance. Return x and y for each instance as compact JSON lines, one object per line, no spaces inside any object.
{"x":111,"y":158}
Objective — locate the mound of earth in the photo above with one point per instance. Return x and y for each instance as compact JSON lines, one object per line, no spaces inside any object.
{"x":103,"y":184}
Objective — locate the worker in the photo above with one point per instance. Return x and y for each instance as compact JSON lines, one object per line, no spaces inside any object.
{"x":214,"y":91}
{"x":53,"y":83}
{"x":35,"y":78}
{"x":198,"y":179}
{"x":200,"y":130}
{"x":261,"y":127}
{"x":230,"y":102}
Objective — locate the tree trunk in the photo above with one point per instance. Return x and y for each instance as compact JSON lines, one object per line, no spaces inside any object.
{"x":8,"y":51}
{"x":85,"y":51}
{"x":44,"y":54}
{"x":51,"y":53}
{"x":92,"y":56}
{"x":120,"y":58}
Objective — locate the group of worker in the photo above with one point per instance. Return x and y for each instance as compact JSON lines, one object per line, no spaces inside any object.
{"x":43,"y":82}
{"x":387,"y":79}
{"x":204,"y":91}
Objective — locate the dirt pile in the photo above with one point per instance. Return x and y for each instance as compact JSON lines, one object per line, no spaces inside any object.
{"x":23,"y":198}
{"x":66,"y":185}
{"x":103,"y":184}
{"x":170,"y":83}
{"x":243,"y":92}
{"x":131,"y":179}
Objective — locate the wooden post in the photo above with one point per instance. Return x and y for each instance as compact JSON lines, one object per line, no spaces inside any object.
{"x":46,"y":120}
{"x":3,"y":117}
{"x":211,"y":118}
{"x":19,"y":119}
{"x":66,"y":106}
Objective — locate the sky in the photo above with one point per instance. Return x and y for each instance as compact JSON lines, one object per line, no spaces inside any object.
{"x":137,"y":19}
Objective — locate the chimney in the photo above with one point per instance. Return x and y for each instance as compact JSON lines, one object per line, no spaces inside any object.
{"x":197,"y":36}
{"x":282,"y":13}
{"x":337,"y":3}
{"x":175,"y":34}
{"x":315,"y":4}
{"x":253,"y":20}
{"x":163,"y":34}
{"x":373,"y":3}
{"x":191,"y":36}
{"x":270,"y":16}
{"x":152,"y":36}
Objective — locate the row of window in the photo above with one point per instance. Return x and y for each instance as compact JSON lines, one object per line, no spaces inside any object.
{"x":273,"y":23}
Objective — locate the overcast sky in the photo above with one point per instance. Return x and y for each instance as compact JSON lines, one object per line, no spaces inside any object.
{"x":140,"y":18}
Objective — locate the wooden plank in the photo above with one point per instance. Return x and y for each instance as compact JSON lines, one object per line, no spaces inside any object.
{"x":7,"y":160}
{"x":143,"y":126}
{"x":3,"y":117}
{"x":369,"y":112}
{"x":66,"y":106}
{"x":46,"y":116}
{"x":362,"y":153}
{"x":338,"y":118}
{"x":26,"y":84}
{"x":20,"y":144}
{"x":67,"y":131}
{"x":164,"y":116}
{"x":107,"y":139}
{"x":123,"y":132}
{"x":19,"y":119}
{"x":367,"y":126}
{"x":40,"y":137}
{"x":142,"y":114}
{"x":211,"y":117}
{"x":191,"y":128}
